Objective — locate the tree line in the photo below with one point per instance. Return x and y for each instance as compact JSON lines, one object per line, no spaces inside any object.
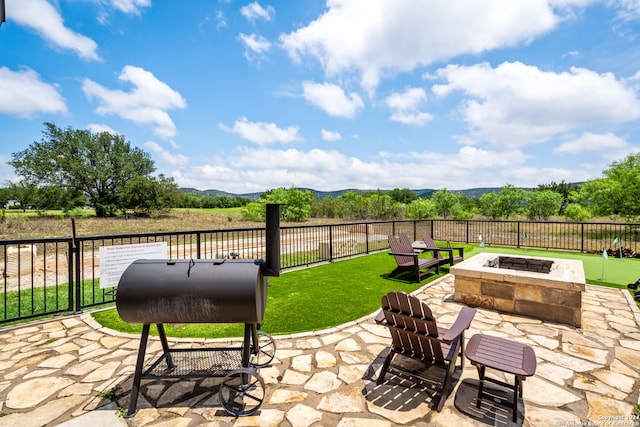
{"x":70,"y":169}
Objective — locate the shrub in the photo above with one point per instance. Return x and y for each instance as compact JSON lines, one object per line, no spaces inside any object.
{"x":77,"y":213}
{"x":577,"y":212}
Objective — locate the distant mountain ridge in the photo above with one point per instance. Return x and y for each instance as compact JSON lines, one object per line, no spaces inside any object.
{"x":471,"y":193}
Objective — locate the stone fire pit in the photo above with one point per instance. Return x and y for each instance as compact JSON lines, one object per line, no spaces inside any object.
{"x":544,"y":288}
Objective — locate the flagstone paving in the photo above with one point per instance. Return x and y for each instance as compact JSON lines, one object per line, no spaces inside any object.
{"x":54,"y":372}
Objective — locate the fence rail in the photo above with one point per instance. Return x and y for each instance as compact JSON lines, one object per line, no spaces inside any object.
{"x":44,"y":277}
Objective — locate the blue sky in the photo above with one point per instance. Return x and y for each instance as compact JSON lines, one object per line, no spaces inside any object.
{"x":245,"y":96}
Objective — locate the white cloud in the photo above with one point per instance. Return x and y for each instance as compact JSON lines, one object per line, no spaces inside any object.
{"x":628,"y":10}
{"x":44,"y":19}
{"x":332,"y":99}
{"x":221,"y":19}
{"x":147,"y":103}
{"x":328,"y":135}
{"x":411,"y":118}
{"x":467,"y":158}
{"x":244,"y":170}
{"x":24,"y":94}
{"x":166,"y":155}
{"x":130,"y":6}
{"x":405,"y":106}
{"x":593,"y":142}
{"x":378,"y":37}
{"x":255,"y":46}
{"x":410,"y":99}
{"x":262,"y":132}
{"x":517,"y":104}
{"x":254,"y":11}
{"x":98,"y":128}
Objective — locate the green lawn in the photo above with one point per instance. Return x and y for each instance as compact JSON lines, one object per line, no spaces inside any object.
{"x":328,"y":295}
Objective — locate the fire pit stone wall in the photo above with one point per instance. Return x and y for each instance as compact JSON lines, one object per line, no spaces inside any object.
{"x":503,"y":283}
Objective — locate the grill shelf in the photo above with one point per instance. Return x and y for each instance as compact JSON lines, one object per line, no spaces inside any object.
{"x":242,"y":390}
{"x":187,"y":363}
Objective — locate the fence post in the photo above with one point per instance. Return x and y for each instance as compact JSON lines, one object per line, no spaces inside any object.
{"x":330,"y":243}
{"x":198,"y":243}
{"x":71,"y":286}
{"x":366,"y":237}
{"x":518,"y":239}
{"x":78,"y":282}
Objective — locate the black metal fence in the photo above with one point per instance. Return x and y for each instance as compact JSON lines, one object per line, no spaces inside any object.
{"x":44,"y":277}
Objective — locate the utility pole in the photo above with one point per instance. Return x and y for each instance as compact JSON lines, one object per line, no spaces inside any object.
{"x":2,"y":12}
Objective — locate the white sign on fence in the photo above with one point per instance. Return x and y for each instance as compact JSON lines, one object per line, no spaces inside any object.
{"x":114,"y":260}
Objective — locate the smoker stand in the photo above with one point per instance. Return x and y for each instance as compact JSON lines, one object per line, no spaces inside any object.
{"x":241,"y":391}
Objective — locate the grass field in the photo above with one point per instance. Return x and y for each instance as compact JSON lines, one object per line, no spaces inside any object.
{"x":27,"y":225}
{"x":329,"y":295}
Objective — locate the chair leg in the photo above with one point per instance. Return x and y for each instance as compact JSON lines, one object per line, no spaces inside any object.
{"x":461,"y":350}
{"x":480,"y":385}
{"x":517,"y":387}
{"x":385,"y":366}
{"x":446,"y":384}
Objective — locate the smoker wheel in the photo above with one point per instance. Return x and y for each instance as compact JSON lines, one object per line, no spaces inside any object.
{"x":242,"y":392}
{"x":265,"y":351}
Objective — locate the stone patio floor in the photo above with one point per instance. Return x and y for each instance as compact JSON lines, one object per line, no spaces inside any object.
{"x":52,"y":373}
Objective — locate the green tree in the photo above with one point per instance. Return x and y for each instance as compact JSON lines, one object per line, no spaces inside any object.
{"x":444,"y":201}
{"x":351,"y":205}
{"x":191,"y":201}
{"x":618,"y":192}
{"x":541,"y":204}
{"x":149,"y":196}
{"x":94,"y":164}
{"x":489,"y":205}
{"x":595,"y":195}
{"x":404,"y":195}
{"x":421,"y":209}
{"x":324,"y":208}
{"x":510,"y":200}
{"x":24,"y":193}
{"x":296,"y":205}
{"x":465,"y":208}
{"x":5,"y":196}
{"x":576,"y":212}
{"x":381,"y":206}
{"x":563,"y":188}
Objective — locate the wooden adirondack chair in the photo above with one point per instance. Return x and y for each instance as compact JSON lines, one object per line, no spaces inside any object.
{"x":415,"y":334}
{"x":407,"y":259}
{"x":427,"y":244}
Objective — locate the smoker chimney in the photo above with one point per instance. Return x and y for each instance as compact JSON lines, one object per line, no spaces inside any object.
{"x":271,"y":266}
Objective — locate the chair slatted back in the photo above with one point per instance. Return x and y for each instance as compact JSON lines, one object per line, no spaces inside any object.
{"x":431,"y":246}
{"x":413,"y":328}
{"x":400,"y":246}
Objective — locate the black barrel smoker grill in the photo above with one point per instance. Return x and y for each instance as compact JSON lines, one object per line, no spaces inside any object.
{"x":205,"y":291}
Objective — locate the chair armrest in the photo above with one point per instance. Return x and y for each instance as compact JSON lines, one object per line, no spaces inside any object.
{"x":380,"y":317}
{"x":448,"y":250}
{"x":413,"y":254}
{"x":460,"y":250}
{"x":463,"y":321}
